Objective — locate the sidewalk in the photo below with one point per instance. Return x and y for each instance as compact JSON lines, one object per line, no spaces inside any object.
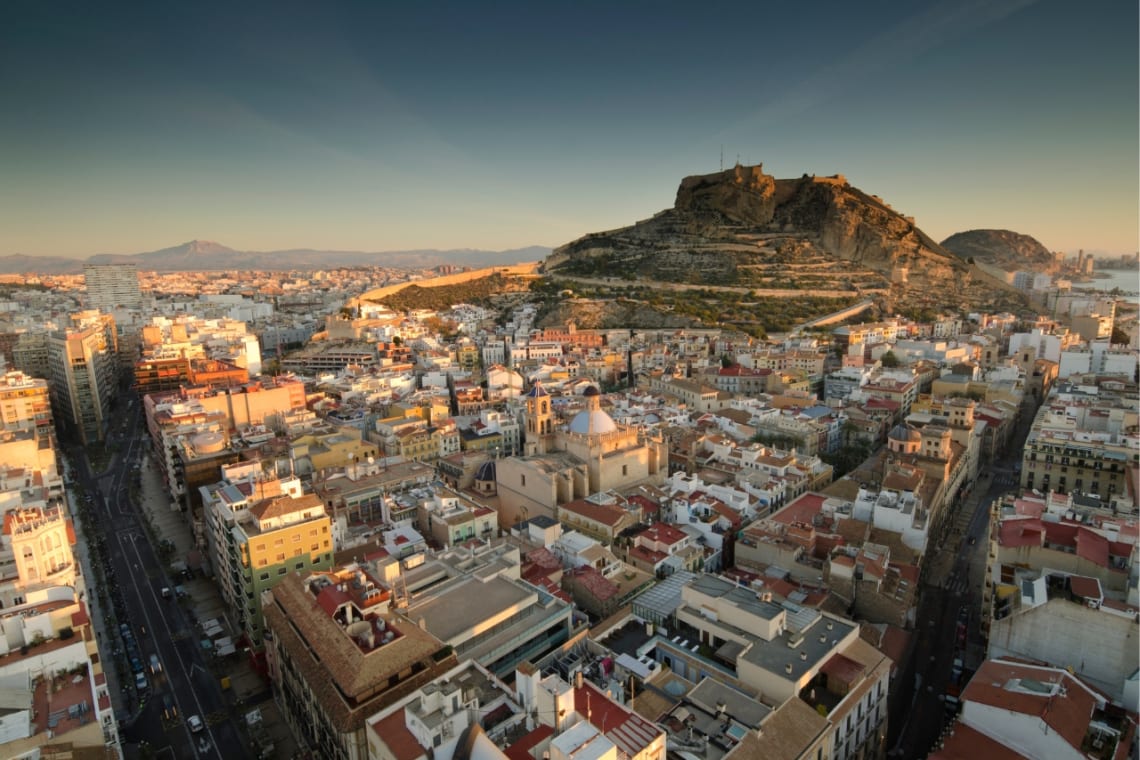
{"x":203,"y":601}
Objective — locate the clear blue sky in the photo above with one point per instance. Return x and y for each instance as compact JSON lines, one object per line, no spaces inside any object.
{"x":379,"y":126}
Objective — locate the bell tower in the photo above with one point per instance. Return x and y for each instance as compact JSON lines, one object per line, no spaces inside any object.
{"x":539,"y":419}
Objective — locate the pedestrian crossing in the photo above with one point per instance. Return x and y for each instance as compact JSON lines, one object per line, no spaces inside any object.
{"x":958,"y":586}
{"x":1005,"y":480}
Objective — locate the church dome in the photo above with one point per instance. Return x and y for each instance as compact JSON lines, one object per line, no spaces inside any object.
{"x":486,"y":472}
{"x":592,"y":421}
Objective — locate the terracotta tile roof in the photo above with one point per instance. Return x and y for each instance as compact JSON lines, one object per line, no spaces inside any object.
{"x":662,"y":533}
{"x":520,"y":750}
{"x":965,"y":743}
{"x":1068,"y":711}
{"x":802,"y":509}
{"x":648,"y":556}
{"x":284,"y":505}
{"x":1092,"y":546}
{"x":628,"y":730}
{"x":789,"y":732}
{"x":340,"y":669}
{"x":1015,"y":533}
{"x":593,"y":582}
{"x":393,"y":731}
{"x":842,"y":668}
{"x":606,"y":514}
{"x":1087,"y":588}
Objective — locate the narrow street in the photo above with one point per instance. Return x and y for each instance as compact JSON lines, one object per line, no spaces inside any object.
{"x":949,"y":608}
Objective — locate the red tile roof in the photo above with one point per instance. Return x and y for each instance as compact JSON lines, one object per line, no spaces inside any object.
{"x":1067,"y":712}
{"x":330,"y":598}
{"x":593,"y":582}
{"x":628,"y":730}
{"x":1087,"y":588}
{"x":965,"y":743}
{"x":662,"y":533}
{"x":606,"y":514}
{"x":393,"y":731}
{"x":520,"y":750}
{"x":802,"y":509}
{"x":1092,"y":546}
{"x":1015,"y":533}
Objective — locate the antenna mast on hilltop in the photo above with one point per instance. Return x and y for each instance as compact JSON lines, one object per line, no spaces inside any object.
{"x":722,"y":156}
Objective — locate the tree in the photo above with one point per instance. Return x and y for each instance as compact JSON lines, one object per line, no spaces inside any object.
{"x":889,"y":360}
{"x":1119,"y":337}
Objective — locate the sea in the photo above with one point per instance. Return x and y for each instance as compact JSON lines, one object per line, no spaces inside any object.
{"x":1128,"y":280}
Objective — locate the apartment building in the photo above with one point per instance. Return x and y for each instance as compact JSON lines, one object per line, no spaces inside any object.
{"x":83,"y":372}
{"x":255,"y":542}
{"x":783,"y":651}
{"x":110,"y":286}
{"x":1013,"y":709}
{"x":25,"y":404}
{"x":1084,"y":439}
{"x":339,"y":652}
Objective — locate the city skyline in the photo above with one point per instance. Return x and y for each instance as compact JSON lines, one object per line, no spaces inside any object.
{"x":132,"y":128}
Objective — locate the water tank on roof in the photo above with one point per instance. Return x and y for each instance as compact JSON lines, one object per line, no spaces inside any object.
{"x":208,"y":442}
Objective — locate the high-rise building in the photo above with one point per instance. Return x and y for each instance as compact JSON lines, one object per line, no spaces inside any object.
{"x":83,"y":369}
{"x":112,"y":285}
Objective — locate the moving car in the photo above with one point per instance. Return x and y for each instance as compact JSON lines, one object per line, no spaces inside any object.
{"x":195,"y":723}
{"x":169,"y":709}
{"x":155,"y":664}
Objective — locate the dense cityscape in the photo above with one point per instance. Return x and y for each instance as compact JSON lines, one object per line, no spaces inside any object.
{"x":264,"y":514}
{"x":570,"y":381}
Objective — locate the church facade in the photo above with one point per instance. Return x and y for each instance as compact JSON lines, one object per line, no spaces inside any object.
{"x":591,"y":454}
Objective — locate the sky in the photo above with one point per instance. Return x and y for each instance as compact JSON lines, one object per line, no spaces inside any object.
{"x":129,"y":127}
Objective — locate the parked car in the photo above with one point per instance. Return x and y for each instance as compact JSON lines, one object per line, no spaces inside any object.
{"x":195,"y":723}
{"x":140,"y":682}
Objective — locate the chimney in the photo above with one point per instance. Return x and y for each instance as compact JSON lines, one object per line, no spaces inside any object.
{"x":578,"y":679}
{"x":788,"y":668}
{"x":803,"y":655}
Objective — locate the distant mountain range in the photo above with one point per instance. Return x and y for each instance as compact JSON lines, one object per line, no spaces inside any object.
{"x":205,"y":255}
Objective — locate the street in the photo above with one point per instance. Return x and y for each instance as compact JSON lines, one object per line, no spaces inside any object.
{"x":158,"y":626}
{"x":948,"y":647}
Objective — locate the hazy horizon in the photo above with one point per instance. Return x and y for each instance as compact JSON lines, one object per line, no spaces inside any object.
{"x":133,"y":127}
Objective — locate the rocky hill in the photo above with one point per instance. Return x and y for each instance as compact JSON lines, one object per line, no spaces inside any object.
{"x":1004,"y":249}
{"x":742,"y":227}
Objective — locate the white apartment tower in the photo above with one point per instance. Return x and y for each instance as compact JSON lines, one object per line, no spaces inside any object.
{"x":112,"y":285}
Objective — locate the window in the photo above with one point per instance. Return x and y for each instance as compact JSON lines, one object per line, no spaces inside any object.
{"x":624,"y":470}
{"x":263,"y":576}
{"x":297,"y":538}
{"x":300,"y":565}
{"x":282,"y":570}
{"x":522,"y":480}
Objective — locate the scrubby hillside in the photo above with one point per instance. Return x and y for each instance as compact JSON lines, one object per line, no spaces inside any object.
{"x":1005,"y":249}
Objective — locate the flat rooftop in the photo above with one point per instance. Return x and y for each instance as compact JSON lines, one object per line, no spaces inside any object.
{"x":465,"y":603}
